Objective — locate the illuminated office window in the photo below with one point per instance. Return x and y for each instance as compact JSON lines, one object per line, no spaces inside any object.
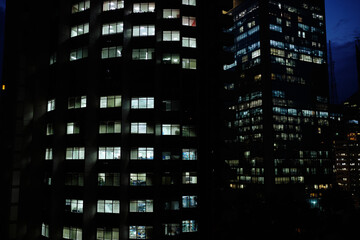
{"x":111,"y":52}
{"x":72,"y":128}
{"x":79,"y":53}
{"x":142,"y":103}
{"x":113,"y":5}
{"x":143,"y":30}
{"x":189,"y":42}
{"x":171,"y":35}
{"x":189,"y":63}
{"x":51,"y":105}
{"x":45,"y":230}
{"x":140,"y":179}
{"x":142,"y":153}
{"x":171,"y":229}
{"x":144,"y":7}
{"x":108,"y":206}
{"x":189,"y":226}
{"x":112,"y":28}
{"x":75,"y":153}
{"x":189,"y":2}
{"x":49,"y":129}
{"x":143,"y":54}
{"x":171,"y":13}
{"x":171,"y":58}
{"x":189,"y":178}
{"x":77,"y":102}
{"x":189,"y":154}
{"x":72,"y":233}
{"x":189,"y":21}
{"x":109,"y":153}
{"x":110,"y":127}
{"x":141,"y":128}
{"x":48,"y":154}
{"x":80,"y":6}
{"x":79,"y":30}
{"x":140,"y":232}
{"x":108,"y":179}
{"x":110,"y":101}
{"x":170,"y":129}
{"x":189,"y":201}
{"x":74,"y":205}
{"x":142,"y":206}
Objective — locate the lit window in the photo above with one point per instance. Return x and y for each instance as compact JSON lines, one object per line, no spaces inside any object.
{"x":189,"y":2}
{"x":80,"y":7}
{"x":189,"y":178}
{"x":107,"y":234}
{"x":189,"y":21}
{"x":53,"y":58}
{"x":49,"y":129}
{"x":79,"y":53}
{"x":171,"y":58}
{"x":189,"y":154}
{"x":76,"y":102}
{"x":305,"y":58}
{"x":110,"y":101}
{"x":171,"y":229}
{"x":188,"y":63}
{"x":171,"y":13}
{"x":108,"y":206}
{"x":189,"y":42}
{"x":45,"y":230}
{"x":51,"y":105}
{"x":111,"y":52}
{"x":142,"y":153}
{"x":75,"y":153}
{"x":171,"y":35}
{"x":72,"y":128}
{"x":255,"y":53}
{"x":112,"y":28}
{"x":143,"y":31}
{"x":79,"y":29}
{"x":72,"y":233}
{"x":141,"y":128}
{"x":113,"y":5}
{"x":143,"y":54}
{"x":189,"y":226}
{"x":48,"y":154}
{"x":142,"y":103}
{"x":144,"y":7}
{"x":170,"y":129}
{"x":141,"y":206}
{"x":189,"y":201}
{"x":109,"y":153}
{"x":140,"y":179}
{"x":74,"y":205}
{"x":108,"y":179}
{"x":110,"y":127}
{"x":140,"y":232}
{"x":275,"y":28}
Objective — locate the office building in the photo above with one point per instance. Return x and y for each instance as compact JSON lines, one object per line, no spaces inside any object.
{"x":116,"y":122}
{"x":280,"y":96}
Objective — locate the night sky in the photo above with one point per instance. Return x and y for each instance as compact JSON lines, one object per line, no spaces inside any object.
{"x":343,"y":26}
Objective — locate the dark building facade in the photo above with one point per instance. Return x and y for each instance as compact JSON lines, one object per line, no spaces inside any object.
{"x":116,"y":122}
{"x":280,"y":96}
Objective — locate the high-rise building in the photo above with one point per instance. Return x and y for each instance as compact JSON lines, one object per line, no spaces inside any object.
{"x":116,"y":120}
{"x":280,"y":96}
